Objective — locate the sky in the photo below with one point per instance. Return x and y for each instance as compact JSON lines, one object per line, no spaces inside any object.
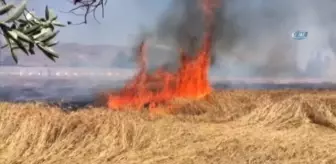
{"x":123,"y":20}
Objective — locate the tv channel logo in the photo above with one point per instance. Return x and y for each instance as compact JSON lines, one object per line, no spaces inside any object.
{"x":299,"y":35}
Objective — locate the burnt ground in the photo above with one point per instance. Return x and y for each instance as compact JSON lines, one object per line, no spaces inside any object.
{"x":67,"y":93}
{"x":71,"y":94}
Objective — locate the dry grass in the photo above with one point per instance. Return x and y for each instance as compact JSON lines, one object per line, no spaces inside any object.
{"x":231,"y":127}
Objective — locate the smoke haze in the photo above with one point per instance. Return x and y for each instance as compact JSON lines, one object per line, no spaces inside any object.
{"x":253,"y":38}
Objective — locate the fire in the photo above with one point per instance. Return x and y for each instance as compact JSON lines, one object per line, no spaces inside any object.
{"x":190,"y":81}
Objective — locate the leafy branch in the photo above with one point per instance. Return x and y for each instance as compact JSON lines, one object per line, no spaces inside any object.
{"x":22,"y":30}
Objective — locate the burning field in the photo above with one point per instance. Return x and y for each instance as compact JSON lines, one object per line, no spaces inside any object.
{"x":189,"y":81}
{"x":237,"y":126}
{"x":165,"y":116}
{"x":156,"y":88}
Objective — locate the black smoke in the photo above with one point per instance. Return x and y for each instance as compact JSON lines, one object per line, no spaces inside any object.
{"x":182,"y":25}
{"x":252,"y":38}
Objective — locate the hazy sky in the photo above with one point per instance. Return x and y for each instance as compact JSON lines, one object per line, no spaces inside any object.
{"x":123,"y":19}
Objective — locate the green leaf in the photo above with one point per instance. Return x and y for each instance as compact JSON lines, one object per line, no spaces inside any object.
{"x":36,"y":21}
{"x":4,"y":9}
{"x":22,"y":26}
{"x":15,"y":58}
{"x":31,"y":48}
{"x":50,"y":53}
{"x":32,"y":29}
{"x":15,"y":47}
{"x":13,"y":34}
{"x":44,"y":31}
{"x":12,"y":50}
{"x":52,"y":27}
{"x":24,"y":37}
{"x":29,"y":16}
{"x":48,"y":36}
{"x":46,"y":24}
{"x":17,"y":12}
{"x":22,"y":21}
{"x":58,"y":24}
{"x":21,"y":46}
{"x":49,"y":14}
{"x":51,"y":44}
{"x":46,"y":12}
{"x":53,"y":17}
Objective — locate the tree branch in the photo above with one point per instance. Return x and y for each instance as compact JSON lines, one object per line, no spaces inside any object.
{"x":87,"y":7}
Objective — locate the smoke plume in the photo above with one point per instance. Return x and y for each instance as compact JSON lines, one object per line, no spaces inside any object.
{"x":253,"y":38}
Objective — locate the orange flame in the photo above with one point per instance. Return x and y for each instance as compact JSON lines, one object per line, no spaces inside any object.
{"x":190,"y":81}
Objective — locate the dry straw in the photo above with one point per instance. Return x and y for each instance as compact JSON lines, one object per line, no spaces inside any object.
{"x":286,"y":126}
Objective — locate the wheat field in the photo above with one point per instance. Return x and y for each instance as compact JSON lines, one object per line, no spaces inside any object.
{"x":237,"y":126}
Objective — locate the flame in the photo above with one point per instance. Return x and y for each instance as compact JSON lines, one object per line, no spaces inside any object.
{"x":190,"y":81}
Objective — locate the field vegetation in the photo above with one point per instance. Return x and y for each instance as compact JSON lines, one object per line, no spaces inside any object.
{"x":237,"y":126}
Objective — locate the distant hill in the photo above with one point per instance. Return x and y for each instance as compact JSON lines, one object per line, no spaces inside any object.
{"x":112,"y":56}
{"x":72,"y":55}
{"x":77,"y":55}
